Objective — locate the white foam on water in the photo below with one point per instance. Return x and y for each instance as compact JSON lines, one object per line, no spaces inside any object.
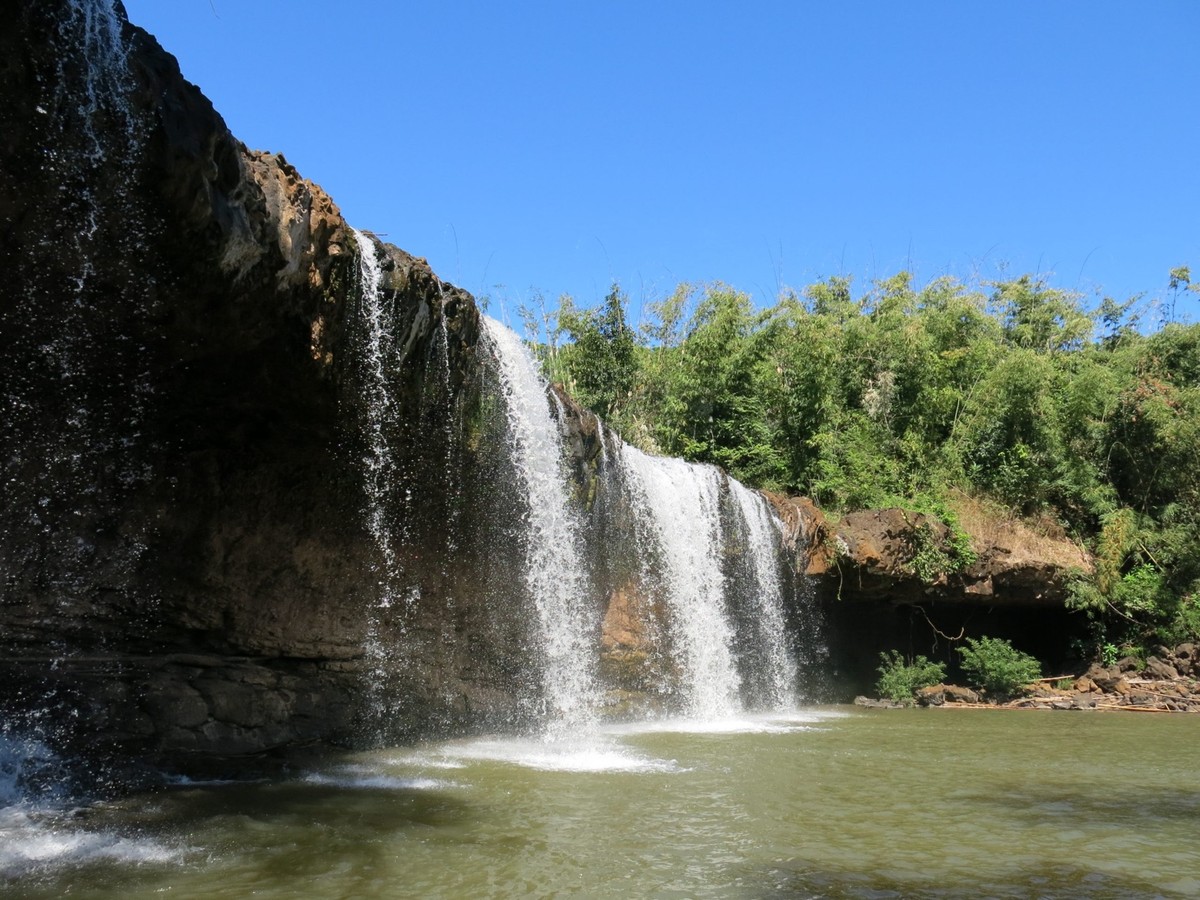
{"x":758,"y":723}
{"x":38,"y":832}
{"x":424,"y":760}
{"x":362,"y":778}
{"x":36,"y":841}
{"x":593,"y":755}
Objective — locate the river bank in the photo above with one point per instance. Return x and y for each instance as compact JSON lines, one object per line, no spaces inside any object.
{"x":1167,"y":681}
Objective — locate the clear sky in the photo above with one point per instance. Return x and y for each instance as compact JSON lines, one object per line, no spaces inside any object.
{"x":558,"y":146}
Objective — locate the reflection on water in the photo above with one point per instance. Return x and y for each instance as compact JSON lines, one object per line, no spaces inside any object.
{"x":816,"y":804}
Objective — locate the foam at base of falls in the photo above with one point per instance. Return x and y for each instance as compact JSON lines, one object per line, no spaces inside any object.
{"x":775,"y":722}
{"x":38,"y":831}
{"x":362,"y":778}
{"x":35,"y":841}
{"x":593,"y":752}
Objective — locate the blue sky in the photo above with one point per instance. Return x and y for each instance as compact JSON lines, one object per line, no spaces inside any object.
{"x":559,"y":146}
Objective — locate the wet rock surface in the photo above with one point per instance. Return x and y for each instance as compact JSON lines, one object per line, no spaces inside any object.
{"x":186,"y":569}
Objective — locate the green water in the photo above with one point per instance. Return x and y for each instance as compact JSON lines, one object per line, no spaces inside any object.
{"x":828,"y":803}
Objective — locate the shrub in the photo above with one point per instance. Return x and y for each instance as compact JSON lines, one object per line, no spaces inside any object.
{"x":900,"y":681}
{"x":997,"y":667}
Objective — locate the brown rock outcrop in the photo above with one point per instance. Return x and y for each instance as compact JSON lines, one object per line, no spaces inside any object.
{"x":875,"y":554}
{"x":892,"y":578}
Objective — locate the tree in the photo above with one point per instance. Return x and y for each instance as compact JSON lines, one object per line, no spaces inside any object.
{"x":601,"y":363}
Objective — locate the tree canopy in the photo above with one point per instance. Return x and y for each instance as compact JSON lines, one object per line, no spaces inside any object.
{"x":1009,"y":390}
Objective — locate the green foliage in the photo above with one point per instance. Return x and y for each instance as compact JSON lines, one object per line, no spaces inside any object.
{"x":935,"y":555}
{"x":902,"y":395}
{"x":1185,"y":624}
{"x":599,"y":365}
{"x":900,"y":680}
{"x":996,"y":666}
{"x":1109,"y":654}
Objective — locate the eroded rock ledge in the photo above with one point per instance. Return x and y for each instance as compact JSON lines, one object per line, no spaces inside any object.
{"x":874,"y":554}
{"x":881,"y":594}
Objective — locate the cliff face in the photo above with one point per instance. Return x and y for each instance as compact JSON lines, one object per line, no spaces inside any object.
{"x":185,"y":564}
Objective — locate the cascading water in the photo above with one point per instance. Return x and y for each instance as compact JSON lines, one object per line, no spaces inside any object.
{"x":377,"y":352}
{"x":96,"y":26}
{"x":554,"y":575}
{"x":386,"y":494}
{"x":678,"y":504}
{"x":766,"y":599}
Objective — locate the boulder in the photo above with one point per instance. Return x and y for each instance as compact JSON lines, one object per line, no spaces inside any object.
{"x":874,"y":703}
{"x":1105,"y":678}
{"x":1163,"y":671}
{"x":940,"y":694}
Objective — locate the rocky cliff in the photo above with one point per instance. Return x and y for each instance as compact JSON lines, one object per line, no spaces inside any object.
{"x":186,"y":568}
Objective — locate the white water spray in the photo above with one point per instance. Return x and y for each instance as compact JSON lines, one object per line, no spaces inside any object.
{"x":92,"y":28}
{"x":554,"y":577}
{"x":767,"y":600}
{"x":679,"y":503}
{"x":377,"y":348}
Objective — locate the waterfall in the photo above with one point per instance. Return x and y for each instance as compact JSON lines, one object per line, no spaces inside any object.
{"x":678,"y":504}
{"x":766,"y":598}
{"x":96,"y":27}
{"x":554,"y":574}
{"x":376,"y":353}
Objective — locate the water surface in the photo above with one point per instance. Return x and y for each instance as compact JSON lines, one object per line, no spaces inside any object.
{"x":820,"y":803}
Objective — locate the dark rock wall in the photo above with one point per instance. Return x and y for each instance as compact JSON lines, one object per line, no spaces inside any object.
{"x":871,"y":598}
{"x":185,"y":566}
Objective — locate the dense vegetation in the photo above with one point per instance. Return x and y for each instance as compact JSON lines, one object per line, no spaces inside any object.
{"x":1012,"y":391}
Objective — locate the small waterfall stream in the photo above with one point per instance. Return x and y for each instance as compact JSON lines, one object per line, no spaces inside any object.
{"x":677,"y":505}
{"x":766,"y":599}
{"x":376,"y":353}
{"x":554,"y":574}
